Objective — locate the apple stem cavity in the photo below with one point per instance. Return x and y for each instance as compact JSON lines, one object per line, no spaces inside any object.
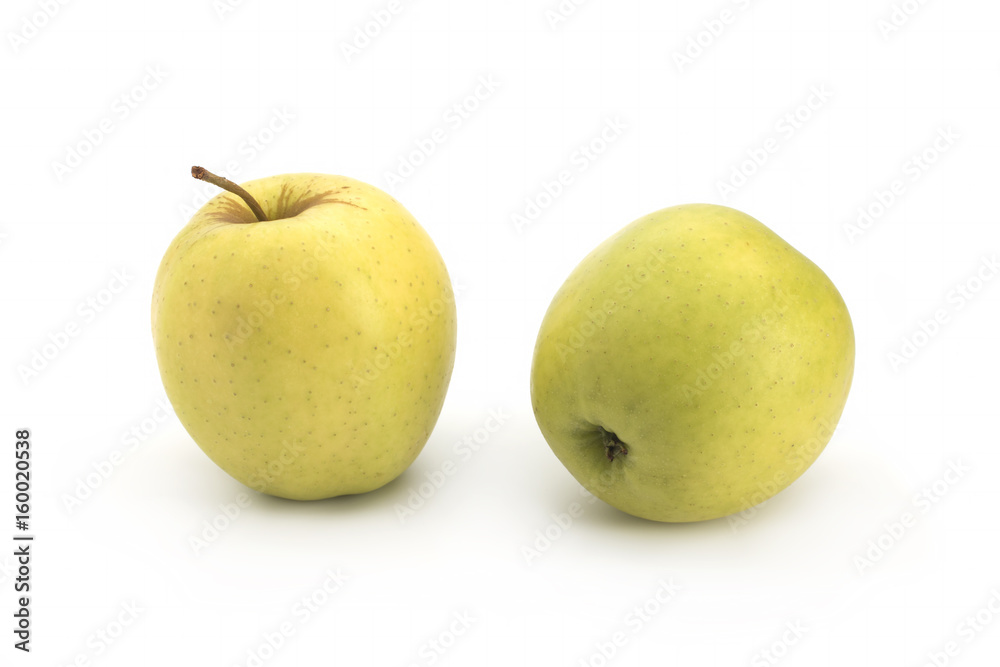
{"x":614,"y":447}
{"x":203,"y":174}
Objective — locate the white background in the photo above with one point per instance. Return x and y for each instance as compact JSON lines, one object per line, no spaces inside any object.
{"x":819,"y":556}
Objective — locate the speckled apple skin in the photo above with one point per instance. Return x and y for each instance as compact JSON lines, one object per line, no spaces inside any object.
{"x":308,"y":355}
{"x":718,"y":355}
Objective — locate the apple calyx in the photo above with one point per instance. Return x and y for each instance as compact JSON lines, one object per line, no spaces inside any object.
{"x":203,"y":174}
{"x":613,"y":447}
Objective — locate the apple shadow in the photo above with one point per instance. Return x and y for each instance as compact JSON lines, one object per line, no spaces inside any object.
{"x":771,"y":514}
{"x":606,"y":517}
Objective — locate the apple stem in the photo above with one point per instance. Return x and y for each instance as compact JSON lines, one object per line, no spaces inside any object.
{"x":203,"y":174}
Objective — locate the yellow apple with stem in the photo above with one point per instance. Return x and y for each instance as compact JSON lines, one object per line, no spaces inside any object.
{"x":305,"y":331}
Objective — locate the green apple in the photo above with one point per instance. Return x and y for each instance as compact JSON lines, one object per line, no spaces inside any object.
{"x":305,"y":332}
{"x":692,"y":366}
